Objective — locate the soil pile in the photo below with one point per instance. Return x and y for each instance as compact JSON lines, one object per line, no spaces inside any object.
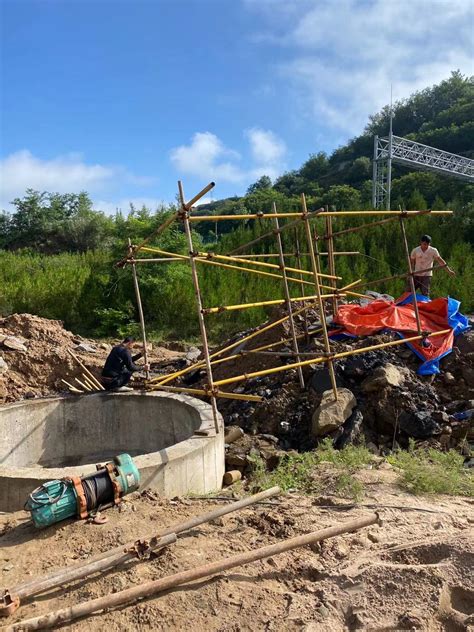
{"x":34,"y":357}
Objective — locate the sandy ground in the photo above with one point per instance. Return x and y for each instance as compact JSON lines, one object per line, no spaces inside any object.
{"x":415,"y":571}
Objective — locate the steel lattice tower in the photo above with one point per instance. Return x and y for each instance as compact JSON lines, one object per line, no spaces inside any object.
{"x":416,"y":155}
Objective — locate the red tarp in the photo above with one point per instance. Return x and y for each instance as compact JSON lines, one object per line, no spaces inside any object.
{"x":379,"y":315}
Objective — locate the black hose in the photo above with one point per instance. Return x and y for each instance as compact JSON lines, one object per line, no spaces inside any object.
{"x":98,"y":490}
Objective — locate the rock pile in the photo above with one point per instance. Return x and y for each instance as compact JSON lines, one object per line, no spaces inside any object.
{"x":382,"y":401}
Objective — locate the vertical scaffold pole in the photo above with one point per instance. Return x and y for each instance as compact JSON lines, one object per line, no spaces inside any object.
{"x":412,"y":282}
{"x":331,"y":260}
{"x":140,"y":308}
{"x":202,"y":325}
{"x":317,"y":287}
{"x":287,"y":293}
{"x":303,"y":289}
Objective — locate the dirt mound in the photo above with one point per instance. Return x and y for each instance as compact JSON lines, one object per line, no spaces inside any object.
{"x":34,"y":357}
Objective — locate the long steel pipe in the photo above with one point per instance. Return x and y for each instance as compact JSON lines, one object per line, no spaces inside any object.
{"x":129,"y":595}
{"x":125,"y":552}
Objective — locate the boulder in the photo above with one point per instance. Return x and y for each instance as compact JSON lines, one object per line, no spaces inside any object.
{"x":10,"y":342}
{"x":449,"y":378}
{"x":192,"y":355}
{"x":419,"y":424}
{"x":331,"y":414}
{"x":468,"y":375}
{"x":350,"y":430}
{"x":465,"y":342}
{"x":85,"y":348}
{"x":383,"y":376}
{"x":3,"y":365}
{"x":321,"y":380}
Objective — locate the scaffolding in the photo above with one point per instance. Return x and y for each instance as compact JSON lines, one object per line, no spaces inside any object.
{"x":325,"y":289}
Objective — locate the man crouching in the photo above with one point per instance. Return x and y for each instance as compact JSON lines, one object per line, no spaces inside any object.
{"x":120,"y":365}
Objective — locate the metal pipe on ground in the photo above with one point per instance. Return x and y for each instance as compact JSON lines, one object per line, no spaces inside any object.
{"x":92,"y":565}
{"x":72,"y":388}
{"x":10,"y":599}
{"x":152,"y":588}
{"x":84,"y":386}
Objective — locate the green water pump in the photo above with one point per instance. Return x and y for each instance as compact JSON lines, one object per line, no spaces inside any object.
{"x":81,"y":496}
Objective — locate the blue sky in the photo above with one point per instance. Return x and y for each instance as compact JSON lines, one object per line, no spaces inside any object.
{"x":122,"y":98}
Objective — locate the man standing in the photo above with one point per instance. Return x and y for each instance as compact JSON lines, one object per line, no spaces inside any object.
{"x":422,"y":258}
{"x":120,"y":365}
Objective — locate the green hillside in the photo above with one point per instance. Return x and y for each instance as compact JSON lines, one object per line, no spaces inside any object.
{"x":57,"y":254}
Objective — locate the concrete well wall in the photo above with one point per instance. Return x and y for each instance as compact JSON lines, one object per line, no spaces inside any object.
{"x":171,"y":438}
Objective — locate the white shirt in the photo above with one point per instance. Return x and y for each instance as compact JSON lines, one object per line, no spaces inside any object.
{"x":424,"y":260}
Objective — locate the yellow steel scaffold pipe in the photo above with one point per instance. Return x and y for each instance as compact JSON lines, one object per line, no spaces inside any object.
{"x":279,"y":301}
{"x":322,"y":315}
{"x":203,"y":393}
{"x":207,"y":257}
{"x":273,"y":255}
{"x":335,"y":356}
{"x":219,"y":218}
{"x":233,"y":345}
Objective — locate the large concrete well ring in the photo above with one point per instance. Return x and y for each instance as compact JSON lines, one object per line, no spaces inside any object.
{"x":171,"y":437}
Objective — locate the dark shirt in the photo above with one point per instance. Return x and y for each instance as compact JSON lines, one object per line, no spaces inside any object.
{"x":120,"y":360}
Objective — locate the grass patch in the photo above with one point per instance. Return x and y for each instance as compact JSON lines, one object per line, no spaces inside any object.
{"x":309,"y":473}
{"x":433,"y":472}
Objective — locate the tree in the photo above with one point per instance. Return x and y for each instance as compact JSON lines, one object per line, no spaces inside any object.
{"x":262,"y":183}
{"x":342,"y":197}
{"x":316,"y":166}
{"x":290,"y":183}
{"x":416,"y":202}
{"x":5,"y":228}
{"x":359,"y":171}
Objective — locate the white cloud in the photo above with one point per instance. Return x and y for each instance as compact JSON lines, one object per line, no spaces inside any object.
{"x":342,"y":56}
{"x":207,"y":157}
{"x":64,"y":174}
{"x":265,"y":146}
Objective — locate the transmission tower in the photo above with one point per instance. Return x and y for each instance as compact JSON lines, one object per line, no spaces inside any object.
{"x":415,"y":155}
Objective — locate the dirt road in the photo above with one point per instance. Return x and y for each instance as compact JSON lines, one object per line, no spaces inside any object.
{"x":413,"y":572}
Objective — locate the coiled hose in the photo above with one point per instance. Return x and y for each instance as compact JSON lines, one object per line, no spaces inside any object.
{"x":98,"y":490}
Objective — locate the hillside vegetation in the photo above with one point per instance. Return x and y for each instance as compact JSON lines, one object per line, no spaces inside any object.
{"x":57,"y":254}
